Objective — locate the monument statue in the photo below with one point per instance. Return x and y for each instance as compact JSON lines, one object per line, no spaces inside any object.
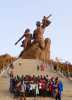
{"x":34,"y":45}
{"x":27,"y":41}
{"x":39,"y":31}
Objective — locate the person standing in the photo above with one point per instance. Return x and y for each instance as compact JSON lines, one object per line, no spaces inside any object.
{"x":22,"y":91}
{"x":58,"y":89}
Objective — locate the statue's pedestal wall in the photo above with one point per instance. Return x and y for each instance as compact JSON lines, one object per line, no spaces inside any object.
{"x":28,"y":67}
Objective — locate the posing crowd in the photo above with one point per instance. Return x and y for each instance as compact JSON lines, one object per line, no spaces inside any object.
{"x":27,"y":86}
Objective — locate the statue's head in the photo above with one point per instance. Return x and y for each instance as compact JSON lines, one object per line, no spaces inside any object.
{"x":27,"y":30}
{"x":38,"y":23}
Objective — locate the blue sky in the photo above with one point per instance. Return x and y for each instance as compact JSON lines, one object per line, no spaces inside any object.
{"x":17,"y":15}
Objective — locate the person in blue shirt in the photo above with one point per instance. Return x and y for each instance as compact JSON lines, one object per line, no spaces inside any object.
{"x":59,"y":89}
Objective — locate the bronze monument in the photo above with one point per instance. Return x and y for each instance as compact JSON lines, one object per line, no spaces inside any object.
{"x":34,"y":45}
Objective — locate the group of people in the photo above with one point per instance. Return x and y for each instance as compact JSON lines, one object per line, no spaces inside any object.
{"x":33,"y":86}
{"x":37,"y":34}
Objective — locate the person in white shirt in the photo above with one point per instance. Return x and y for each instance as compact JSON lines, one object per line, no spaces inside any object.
{"x":22,"y":91}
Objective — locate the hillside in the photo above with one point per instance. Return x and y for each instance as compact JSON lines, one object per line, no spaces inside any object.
{"x":6,"y":59}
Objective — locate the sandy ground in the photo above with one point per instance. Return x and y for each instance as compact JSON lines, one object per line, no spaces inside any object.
{"x":4,"y":87}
